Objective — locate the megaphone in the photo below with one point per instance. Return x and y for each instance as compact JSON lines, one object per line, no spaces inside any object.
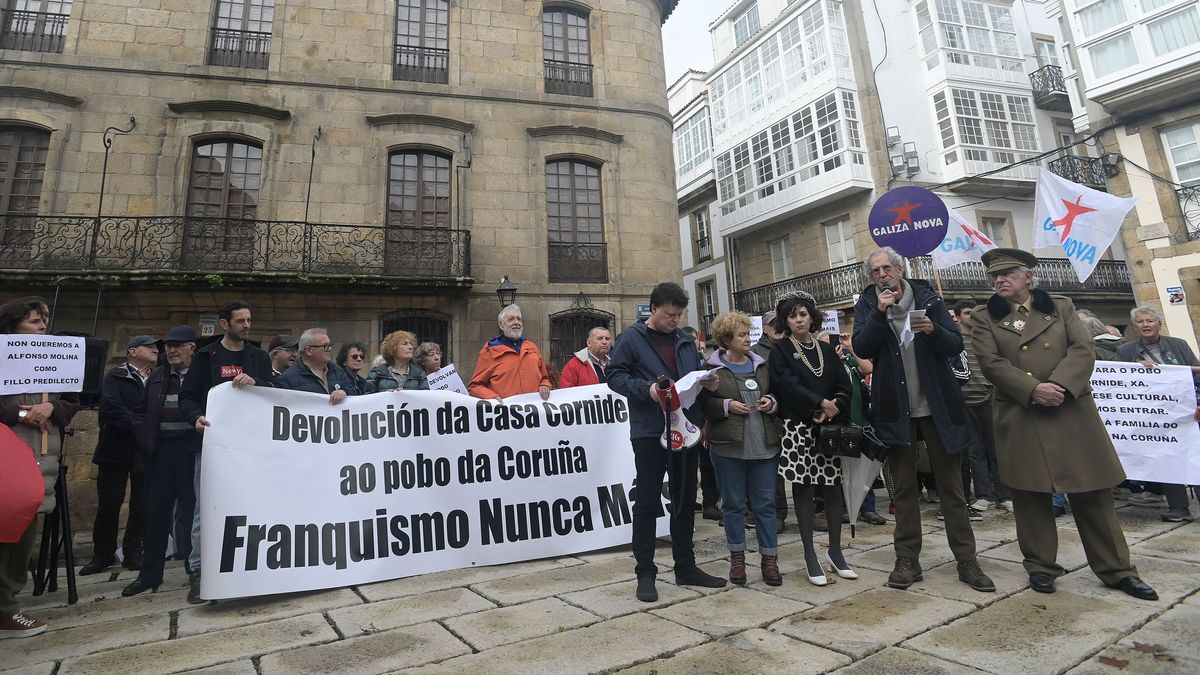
{"x":679,"y":433}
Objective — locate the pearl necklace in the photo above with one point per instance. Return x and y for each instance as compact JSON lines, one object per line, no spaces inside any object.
{"x":820,"y":368}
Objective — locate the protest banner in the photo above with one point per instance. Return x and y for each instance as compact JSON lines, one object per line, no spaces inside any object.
{"x":447,"y":379}
{"x":34,"y":364}
{"x":1148,"y":415}
{"x":756,"y":329}
{"x":829,"y":321}
{"x":299,"y":494}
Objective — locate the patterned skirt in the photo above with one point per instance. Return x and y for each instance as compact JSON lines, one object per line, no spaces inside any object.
{"x":801,"y":463}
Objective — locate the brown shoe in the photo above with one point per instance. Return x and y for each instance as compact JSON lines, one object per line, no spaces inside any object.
{"x":905,"y":573}
{"x":20,"y":626}
{"x":770,"y":570}
{"x":737,"y":567}
{"x":193,"y":596}
{"x":970,"y":574}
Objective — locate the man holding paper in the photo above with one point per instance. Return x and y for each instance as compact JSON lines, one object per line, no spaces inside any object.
{"x":1049,"y":436}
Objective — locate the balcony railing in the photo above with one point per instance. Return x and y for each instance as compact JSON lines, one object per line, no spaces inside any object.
{"x":1050,"y":89}
{"x":1089,"y":171}
{"x":578,"y":263}
{"x":33,"y":31}
{"x":228,"y":246}
{"x":703,"y":249}
{"x":1189,"y":208}
{"x":574,"y":79}
{"x":838,"y":285}
{"x":421,"y":64}
{"x":240,"y":48}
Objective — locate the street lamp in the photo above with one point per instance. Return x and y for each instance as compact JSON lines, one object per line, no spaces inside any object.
{"x":506,"y":292}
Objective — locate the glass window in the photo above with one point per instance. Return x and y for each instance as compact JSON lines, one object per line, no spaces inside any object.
{"x":241,"y":34}
{"x":746,"y":25}
{"x":1184,"y":152}
{"x":839,"y":241}
{"x":575,"y":220}
{"x":418,"y":189}
{"x":781,"y":258}
{"x":567,"y":52}
{"x":222,"y":201}
{"x":22,"y":168}
{"x":708,"y":305}
{"x":34,"y":25}
{"x":995,"y":229}
{"x":422,"y":40}
{"x":1101,"y":16}
{"x":1113,"y":54}
{"x":1175,"y":31}
{"x":1047,"y":53}
{"x":692,"y":144}
{"x":700,"y":227}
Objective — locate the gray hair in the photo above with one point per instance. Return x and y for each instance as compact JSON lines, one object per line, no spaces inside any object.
{"x":1094,"y":326}
{"x":425,"y":349}
{"x":895,"y":258}
{"x":592,"y":331}
{"x":1145,"y":309}
{"x":307,"y":337}
{"x":511,"y":309}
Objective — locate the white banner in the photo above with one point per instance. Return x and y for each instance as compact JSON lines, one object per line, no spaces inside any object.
{"x":298,"y":494}
{"x":1148,"y":414}
{"x":756,"y":329}
{"x":447,"y":379}
{"x":34,"y":364}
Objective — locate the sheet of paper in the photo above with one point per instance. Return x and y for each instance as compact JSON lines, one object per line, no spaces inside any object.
{"x":689,"y":385}
{"x":906,"y":333}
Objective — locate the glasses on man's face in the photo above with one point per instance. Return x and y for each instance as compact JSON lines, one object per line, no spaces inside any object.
{"x":885,"y":269}
{"x":328,"y":347}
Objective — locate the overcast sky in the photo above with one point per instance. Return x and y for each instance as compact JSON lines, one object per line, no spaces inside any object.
{"x":685,"y":36}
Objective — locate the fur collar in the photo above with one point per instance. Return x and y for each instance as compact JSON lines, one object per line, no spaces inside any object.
{"x":999,"y":308}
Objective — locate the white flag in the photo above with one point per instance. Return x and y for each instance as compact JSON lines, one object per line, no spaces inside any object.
{"x":963,"y":243}
{"x":1080,"y":220}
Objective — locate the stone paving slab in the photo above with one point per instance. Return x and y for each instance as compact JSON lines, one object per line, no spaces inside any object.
{"x":731,"y":612}
{"x":407,"y":610}
{"x":84,"y":613}
{"x":1167,"y":644}
{"x":618,"y":599}
{"x":1034,"y":632}
{"x":234,"y":668}
{"x":58,"y":644}
{"x":205,"y":650}
{"x":437,"y":581}
{"x":199,"y":619}
{"x":934,"y":551}
{"x":33,"y":669}
{"x":376,"y":653}
{"x":1138,"y":523}
{"x":172,"y":574}
{"x":1070,"y":551}
{"x":997,"y":527}
{"x":1171,"y":580}
{"x":1179,"y":544}
{"x":749,"y":653}
{"x":505,"y":625}
{"x":515,"y":590}
{"x":797,"y":587}
{"x":900,"y":660}
{"x":943,"y":582}
{"x":606,"y":646}
{"x":107,"y":590}
{"x":870,"y":621}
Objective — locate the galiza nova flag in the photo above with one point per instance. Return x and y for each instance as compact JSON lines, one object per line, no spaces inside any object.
{"x":1080,"y":220}
{"x":963,"y":243}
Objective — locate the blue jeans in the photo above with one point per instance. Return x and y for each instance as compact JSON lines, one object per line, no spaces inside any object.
{"x":753,"y":479}
{"x":1059,"y":499}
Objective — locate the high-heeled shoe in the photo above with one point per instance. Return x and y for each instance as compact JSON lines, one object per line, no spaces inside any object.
{"x":139,"y":586}
{"x":818,"y":580}
{"x":847,"y":573}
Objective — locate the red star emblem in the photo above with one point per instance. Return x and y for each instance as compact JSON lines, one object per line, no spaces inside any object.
{"x":903,"y":212}
{"x":974,"y":235}
{"x":1074,"y":210}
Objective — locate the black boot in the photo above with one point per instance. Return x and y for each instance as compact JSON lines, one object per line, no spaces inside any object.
{"x":645,"y":589}
{"x":96,"y":566}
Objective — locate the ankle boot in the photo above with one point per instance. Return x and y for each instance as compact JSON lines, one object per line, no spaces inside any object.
{"x":770,"y":570}
{"x":737,"y":567}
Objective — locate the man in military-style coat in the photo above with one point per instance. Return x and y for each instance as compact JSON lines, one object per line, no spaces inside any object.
{"x":1049,"y":436}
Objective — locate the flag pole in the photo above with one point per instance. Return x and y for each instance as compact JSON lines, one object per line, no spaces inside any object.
{"x":937,"y":279}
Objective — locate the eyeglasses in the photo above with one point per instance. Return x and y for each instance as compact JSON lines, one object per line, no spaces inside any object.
{"x":886,"y":269}
{"x":328,"y":347}
{"x":356,"y":357}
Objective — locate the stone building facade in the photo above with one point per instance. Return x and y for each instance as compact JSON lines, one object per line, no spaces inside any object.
{"x":364,"y":165}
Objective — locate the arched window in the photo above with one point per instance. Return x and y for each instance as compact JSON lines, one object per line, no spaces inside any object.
{"x":22,"y":167}
{"x":419,"y":240}
{"x":566,"y":51}
{"x":222,"y":206}
{"x":575,"y":220}
{"x":428,"y":325}
{"x":422,"y":41}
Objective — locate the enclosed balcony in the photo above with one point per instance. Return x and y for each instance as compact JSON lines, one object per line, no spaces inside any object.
{"x":1050,"y":89}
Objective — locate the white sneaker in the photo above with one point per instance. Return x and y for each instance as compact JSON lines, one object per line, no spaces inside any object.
{"x":982,"y":504}
{"x":1006,"y":505}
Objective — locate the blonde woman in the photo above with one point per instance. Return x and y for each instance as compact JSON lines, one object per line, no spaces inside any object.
{"x":399,"y":370}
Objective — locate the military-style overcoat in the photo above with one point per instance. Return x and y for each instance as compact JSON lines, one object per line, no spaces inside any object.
{"x":1041,"y":449}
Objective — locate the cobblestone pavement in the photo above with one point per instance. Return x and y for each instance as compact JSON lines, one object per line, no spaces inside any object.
{"x":578,"y":615}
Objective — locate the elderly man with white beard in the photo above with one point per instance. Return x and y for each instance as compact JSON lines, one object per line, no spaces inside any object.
{"x":509,"y":364}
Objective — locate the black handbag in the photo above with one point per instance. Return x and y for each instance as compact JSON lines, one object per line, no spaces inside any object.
{"x":840,"y":440}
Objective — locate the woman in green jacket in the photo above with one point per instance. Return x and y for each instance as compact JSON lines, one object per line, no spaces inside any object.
{"x":399,"y":370}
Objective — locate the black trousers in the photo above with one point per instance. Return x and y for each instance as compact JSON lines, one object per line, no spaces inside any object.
{"x":709,"y":492}
{"x":653,"y":463}
{"x":110,"y":493}
{"x":169,"y":478}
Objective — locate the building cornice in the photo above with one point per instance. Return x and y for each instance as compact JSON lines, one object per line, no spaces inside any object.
{"x":8,"y":91}
{"x":567,"y":130}
{"x":429,"y":120}
{"x":242,"y":107}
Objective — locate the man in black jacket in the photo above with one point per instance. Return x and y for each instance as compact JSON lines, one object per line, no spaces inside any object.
{"x":230,"y":359}
{"x":915,"y":397}
{"x":120,"y":393}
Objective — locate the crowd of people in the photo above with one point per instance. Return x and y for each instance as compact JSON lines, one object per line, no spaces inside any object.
{"x":970,"y":417}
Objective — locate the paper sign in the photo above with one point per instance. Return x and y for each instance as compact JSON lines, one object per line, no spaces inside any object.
{"x":756,"y":329}
{"x":830,"y":322}
{"x":34,"y":364}
{"x":447,"y":379}
{"x":1175,"y":295}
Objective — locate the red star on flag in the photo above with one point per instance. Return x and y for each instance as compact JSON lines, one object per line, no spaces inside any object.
{"x":903,"y":212}
{"x":1074,"y":210}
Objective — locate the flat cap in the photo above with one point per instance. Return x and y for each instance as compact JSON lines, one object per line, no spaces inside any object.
{"x":140,"y":341}
{"x":1000,"y":259}
{"x":282,"y":341}
{"x":180,"y":334}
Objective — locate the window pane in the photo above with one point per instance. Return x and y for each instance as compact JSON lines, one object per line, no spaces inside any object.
{"x":1174,"y":32}
{"x":1113,"y":55}
{"x":1102,"y":16}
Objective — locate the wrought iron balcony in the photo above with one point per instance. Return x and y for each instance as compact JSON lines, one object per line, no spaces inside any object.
{"x":837,"y":286}
{"x":1050,"y":89}
{"x":1189,"y":208}
{"x":1089,"y":171}
{"x":33,"y":31}
{"x":563,"y":77}
{"x":229,"y":247}
{"x":703,"y":249}
{"x":421,"y":64}
{"x":240,"y":48}
{"x":578,"y":263}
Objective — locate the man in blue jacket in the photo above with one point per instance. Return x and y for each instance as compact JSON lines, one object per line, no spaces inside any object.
{"x":915,"y":397}
{"x":315,"y":371}
{"x":644,"y":352}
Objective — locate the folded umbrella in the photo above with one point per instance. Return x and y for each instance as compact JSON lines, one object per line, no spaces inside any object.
{"x":21,"y":488}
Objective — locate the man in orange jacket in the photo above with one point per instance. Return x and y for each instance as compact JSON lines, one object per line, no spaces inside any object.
{"x":509,"y":364}
{"x":588,"y":364}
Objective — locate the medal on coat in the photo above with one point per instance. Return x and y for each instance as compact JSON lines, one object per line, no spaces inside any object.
{"x":1019,"y":324}
{"x":751,"y":385}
